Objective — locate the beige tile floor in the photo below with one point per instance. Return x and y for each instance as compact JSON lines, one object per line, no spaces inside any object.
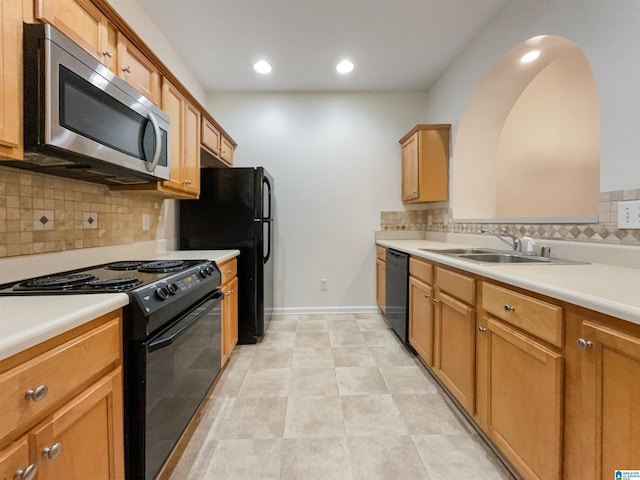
{"x":332,"y":397}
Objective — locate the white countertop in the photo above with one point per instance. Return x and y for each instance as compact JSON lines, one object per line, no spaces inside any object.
{"x":607,"y":289}
{"x":29,"y":320}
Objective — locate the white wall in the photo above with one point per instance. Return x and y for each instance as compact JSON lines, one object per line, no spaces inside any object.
{"x":335,"y":159}
{"x":608,"y":34}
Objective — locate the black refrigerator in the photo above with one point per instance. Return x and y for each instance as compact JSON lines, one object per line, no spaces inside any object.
{"x":236,"y":211}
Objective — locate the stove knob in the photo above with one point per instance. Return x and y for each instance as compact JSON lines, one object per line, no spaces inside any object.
{"x":202,"y":273}
{"x":173,"y":288}
{"x":162,"y":292}
{"x":210,"y":269}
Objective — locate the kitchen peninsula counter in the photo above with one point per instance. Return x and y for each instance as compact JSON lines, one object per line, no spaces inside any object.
{"x":612,"y":290}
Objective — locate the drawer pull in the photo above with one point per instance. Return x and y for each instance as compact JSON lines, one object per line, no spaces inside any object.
{"x":27,"y":474}
{"x":127,"y":69}
{"x":584,"y":344}
{"x":107,"y":53}
{"x":426,"y":295}
{"x":228,"y":272}
{"x":509,"y":308}
{"x":53,"y":451}
{"x":482,"y":329}
{"x":435,"y":300}
{"x":38,"y":394}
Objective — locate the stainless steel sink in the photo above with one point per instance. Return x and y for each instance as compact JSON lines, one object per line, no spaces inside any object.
{"x":504,"y":258}
{"x":460,"y":251}
{"x":487,"y":256}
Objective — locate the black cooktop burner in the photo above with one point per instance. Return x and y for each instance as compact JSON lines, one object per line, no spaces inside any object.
{"x":163,"y":266}
{"x":123,"y":266}
{"x":56,"y":282}
{"x":124,"y":283}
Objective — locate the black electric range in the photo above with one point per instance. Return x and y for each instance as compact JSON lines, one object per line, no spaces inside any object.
{"x":172,"y":344}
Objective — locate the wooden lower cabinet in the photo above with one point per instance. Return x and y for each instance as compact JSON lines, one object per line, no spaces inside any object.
{"x":454,"y":350}
{"x":381,"y":283}
{"x":14,"y":461}
{"x":523,"y":384}
{"x":80,"y":437}
{"x":229,"y":318}
{"x":421,"y":319}
{"x":610,"y":391}
{"x":70,"y":425}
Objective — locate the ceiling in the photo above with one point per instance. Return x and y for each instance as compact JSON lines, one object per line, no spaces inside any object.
{"x":396,"y":45}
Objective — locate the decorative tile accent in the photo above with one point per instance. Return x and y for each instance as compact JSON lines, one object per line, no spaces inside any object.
{"x":90,"y":220}
{"x":43,"y":219}
{"x":29,"y":203}
{"x":605,"y":231}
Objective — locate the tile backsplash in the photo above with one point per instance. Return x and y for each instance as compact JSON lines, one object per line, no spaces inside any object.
{"x":42,"y":213}
{"x":605,"y":231}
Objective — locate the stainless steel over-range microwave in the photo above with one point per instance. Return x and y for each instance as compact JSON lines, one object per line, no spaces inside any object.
{"x":82,"y":121}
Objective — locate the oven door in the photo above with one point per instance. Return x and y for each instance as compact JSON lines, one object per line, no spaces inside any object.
{"x":182,"y":361}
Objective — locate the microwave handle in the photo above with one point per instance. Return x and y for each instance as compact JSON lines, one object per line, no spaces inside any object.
{"x":156,"y":154}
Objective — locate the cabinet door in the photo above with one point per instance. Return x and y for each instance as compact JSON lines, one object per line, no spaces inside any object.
{"x":229,"y":318}
{"x":11,"y":80}
{"x":190,"y":165}
{"x":138,"y":71}
{"x":210,"y":137}
{"x":82,"y":22}
{"x":524,"y":401}
{"x":421,"y":319}
{"x":85,"y":437}
{"x":381,"y":283}
{"x":14,"y":461}
{"x":173,"y":104}
{"x":226,"y":151}
{"x":410,"y":169}
{"x":454,"y":360}
{"x":611,"y":396}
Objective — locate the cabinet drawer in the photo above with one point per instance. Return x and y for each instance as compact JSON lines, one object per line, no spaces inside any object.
{"x":458,"y":285}
{"x":228,"y":269}
{"x":530,"y":314}
{"x":421,"y":270}
{"x":62,"y":370}
{"x":381,"y":253}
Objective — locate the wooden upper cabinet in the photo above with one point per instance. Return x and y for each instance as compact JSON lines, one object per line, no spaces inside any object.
{"x":425,"y":164}
{"x":138,"y":71}
{"x":210,"y":137}
{"x":226,"y":151}
{"x":184,"y":141}
{"x":11,"y":80}
{"x":85,"y":24}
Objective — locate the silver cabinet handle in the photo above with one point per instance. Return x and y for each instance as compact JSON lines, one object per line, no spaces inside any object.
{"x":435,"y":300}
{"x":127,"y":69}
{"x":38,"y":394}
{"x":482,"y":329}
{"x":509,"y":308}
{"x":426,"y":295}
{"x":156,"y":154}
{"x":27,"y":474}
{"x":108,"y":53}
{"x":228,"y":272}
{"x":53,"y":451}
{"x":187,"y":182}
{"x":584,"y":344}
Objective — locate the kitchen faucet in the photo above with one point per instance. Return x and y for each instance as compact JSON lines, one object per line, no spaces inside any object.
{"x":517,"y":242}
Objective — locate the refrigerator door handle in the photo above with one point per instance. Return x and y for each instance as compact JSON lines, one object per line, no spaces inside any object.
{"x":269,"y":222}
{"x":268,"y":184}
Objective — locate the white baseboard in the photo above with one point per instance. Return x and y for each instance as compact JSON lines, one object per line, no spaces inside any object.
{"x":319,"y":310}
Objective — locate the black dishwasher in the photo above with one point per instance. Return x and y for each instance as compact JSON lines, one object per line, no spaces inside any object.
{"x":397,"y":296}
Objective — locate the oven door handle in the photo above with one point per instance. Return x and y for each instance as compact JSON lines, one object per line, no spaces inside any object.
{"x":170,"y":335}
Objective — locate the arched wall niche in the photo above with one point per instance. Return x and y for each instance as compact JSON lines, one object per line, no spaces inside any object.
{"x":528,"y":144}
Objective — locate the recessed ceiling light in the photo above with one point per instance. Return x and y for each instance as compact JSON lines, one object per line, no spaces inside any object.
{"x":345,"y":66}
{"x":530,"y":56}
{"x":262,"y":67}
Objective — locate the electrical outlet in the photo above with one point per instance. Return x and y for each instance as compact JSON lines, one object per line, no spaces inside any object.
{"x":629,"y":214}
{"x":445,"y":219}
{"x":145,"y":221}
{"x":323,"y":284}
